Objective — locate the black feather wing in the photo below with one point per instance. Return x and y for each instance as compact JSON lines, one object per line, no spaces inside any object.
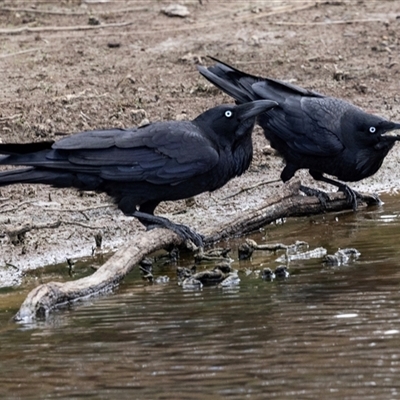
{"x":160,"y":153}
{"x":308,"y":125}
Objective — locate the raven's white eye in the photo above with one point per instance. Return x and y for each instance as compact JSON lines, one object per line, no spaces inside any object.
{"x":372,"y":129}
{"x":228,"y":113}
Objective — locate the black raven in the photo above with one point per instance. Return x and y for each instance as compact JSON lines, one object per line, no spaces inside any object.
{"x":140,"y":167}
{"x":323,"y":134}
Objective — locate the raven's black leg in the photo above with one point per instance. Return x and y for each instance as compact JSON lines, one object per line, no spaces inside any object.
{"x":351,"y":195}
{"x":151,"y":221}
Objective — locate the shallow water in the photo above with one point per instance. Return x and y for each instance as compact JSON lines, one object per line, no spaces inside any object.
{"x":325,"y":332}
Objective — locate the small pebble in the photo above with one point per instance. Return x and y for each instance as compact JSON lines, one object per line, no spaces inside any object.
{"x":113,"y":45}
{"x":161,"y":279}
{"x":230,"y":281}
{"x":267,"y":274}
{"x":183,"y":272}
{"x":281,"y":272}
{"x":93,"y":20}
{"x":176,"y":10}
{"x":191,"y":284}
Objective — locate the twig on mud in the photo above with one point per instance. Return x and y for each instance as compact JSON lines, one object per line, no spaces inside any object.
{"x":17,"y":231}
{"x":14,"y":232}
{"x":80,"y":210}
{"x":11,"y":117}
{"x":81,"y":224}
{"x":10,"y":210}
{"x":85,"y":215}
{"x":36,"y":11}
{"x":124,"y":10}
{"x":17,"y":53}
{"x":247,"y":189}
{"x":338,"y":22}
{"x":39,"y":29}
{"x":65,"y":210}
{"x":72,"y":13}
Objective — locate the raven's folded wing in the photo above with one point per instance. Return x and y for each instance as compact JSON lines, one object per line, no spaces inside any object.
{"x":309,"y":126}
{"x":161,"y":153}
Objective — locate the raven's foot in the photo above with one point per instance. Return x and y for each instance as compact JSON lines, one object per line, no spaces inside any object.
{"x":151,"y":221}
{"x":352,"y":196}
{"x":370,"y":199}
{"x":319,"y":194}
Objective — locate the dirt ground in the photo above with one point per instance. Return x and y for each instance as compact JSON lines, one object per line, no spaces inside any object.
{"x":74,"y":65}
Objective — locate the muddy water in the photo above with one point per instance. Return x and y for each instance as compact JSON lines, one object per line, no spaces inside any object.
{"x":325,"y":332}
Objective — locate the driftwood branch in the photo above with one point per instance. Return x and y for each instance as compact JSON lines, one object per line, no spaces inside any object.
{"x":44,"y":298}
{"x":291,"y":205}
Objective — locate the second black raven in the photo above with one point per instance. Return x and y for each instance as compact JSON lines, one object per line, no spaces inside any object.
{"x":323,"y":134}
{"x":140,"y":167}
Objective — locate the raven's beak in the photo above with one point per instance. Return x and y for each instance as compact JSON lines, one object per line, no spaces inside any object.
{"x":392,"y":126}
{"x":254,"y":108}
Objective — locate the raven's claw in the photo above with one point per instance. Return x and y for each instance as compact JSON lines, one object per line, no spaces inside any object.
{"x":351,"y":195}
{"x":151,"y":221}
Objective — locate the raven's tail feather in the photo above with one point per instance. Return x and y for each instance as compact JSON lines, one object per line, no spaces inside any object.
{"x":244,"y":87}
{"x":233,"y":82}
{"x":54,"y":178}
{"x":32,"y":175}
{"x":25,"y":148}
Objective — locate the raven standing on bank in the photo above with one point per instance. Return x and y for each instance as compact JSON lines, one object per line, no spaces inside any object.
{"x":140,"y":167}
{"x":323,"y":134}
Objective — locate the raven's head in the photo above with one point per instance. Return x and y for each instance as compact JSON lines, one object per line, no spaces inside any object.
{"x":369,"y":130}
{"x":229,"y":123}
{"x":369,"y":138}
{"x":383,"y":130}
{"x":229,"y":128}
